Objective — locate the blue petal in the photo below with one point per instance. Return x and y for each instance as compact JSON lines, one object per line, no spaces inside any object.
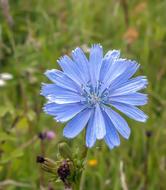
{"x":65,"y":98}
{"x":108,"y":142}
{"x":77,"y":124}
{"x":108,"y":60}
{"x":48,"y":89}
{"x":112,"y":136}
{"x":130,"y":70}
{"x":95,"y":61}
{"x":62,"y":80}
{"x":113,"y":54}
{"x":82,"y":62}
{"x":131,"y":86}
{"x":63,"y":112}
{"x":99,"y":123}
{"x":71,"y":69}
{"x":60,"y":95}
{"x":136,"y":99}
{"x":131,"y":111}
{"x":90,"y":132}
{"x":114,"y":71}
{"x":119,"y":123}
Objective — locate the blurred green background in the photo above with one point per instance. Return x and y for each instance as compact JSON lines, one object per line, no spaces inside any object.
{"x":33,"y":35}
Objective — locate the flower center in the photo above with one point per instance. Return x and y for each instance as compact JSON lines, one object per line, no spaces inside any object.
{"x":93,"y":99}
{"x":92,"y":95}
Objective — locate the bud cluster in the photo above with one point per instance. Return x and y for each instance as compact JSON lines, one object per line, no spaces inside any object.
{"x":67,"y":168}
{"x":64,"y":171}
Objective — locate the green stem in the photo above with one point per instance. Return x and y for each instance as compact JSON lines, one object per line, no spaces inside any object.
{"x":82,"y":177}
{"x":75,"y":186}
{"x":84,"y":152}
{"x":82,"y":180}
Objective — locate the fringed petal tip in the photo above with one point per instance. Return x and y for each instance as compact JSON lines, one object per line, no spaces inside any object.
{"x":42,"y":88}
{"x":97,"y":45}
{"x":77,"y":49}
{"x":110,"y":146}
{"x":113,"y":53}
{"x":49,"y":72}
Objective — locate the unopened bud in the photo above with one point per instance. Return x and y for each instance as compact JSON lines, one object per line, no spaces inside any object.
{"x":65,"y":151}
{"x":42,"y":136}
{"x":47,"y":164}
{"x":149,"y":133}
{"x":40,"y":159}
{"x":50,"y":135}
{"x":64,"y":170}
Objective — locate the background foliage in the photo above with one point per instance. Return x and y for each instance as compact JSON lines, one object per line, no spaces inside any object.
{"x":33,"y":34}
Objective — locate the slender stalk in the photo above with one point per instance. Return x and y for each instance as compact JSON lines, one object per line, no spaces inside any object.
{"x":84,"y":152}
{"x":14,"y":183}
{"x":123,"y":176}
{"x":124,"y":4}
{"x":147,"y":150}
{"x":6,"y":12}
{"x":126,"y":12}
{"x":81,"y":186}
{"x":42,"y":147}
{"x":82,"y":178}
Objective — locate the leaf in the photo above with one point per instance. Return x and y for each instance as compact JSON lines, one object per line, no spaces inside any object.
{"x":3,"y":110}
{"x":21,"y":126}
{"x":6,"y":109}
{"x":13,"y":155}
{"x":6,"y":137}
{"x":31,"y":115}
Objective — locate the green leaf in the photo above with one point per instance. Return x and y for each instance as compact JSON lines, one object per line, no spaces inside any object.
{"x":13,"y":155}
{"x":6,"y":137}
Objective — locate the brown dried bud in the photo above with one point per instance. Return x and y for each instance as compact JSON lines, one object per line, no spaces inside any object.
{"x":47,"y":164}
{"x":42,"y":136}
{"x":64,"y":170}
{"x":149,"y":133}
{"x":40,"y":159}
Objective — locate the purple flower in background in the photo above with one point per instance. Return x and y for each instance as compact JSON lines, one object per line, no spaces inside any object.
{"x":87,"y":92}
{"x":50,"y":135}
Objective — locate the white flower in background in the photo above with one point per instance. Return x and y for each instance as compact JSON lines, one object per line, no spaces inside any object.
{"x":4,"y":77}
{"x":2,"y":83}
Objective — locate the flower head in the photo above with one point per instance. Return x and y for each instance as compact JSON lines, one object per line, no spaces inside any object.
{"x":4,"y":77}
{"x":2,"y":82}
{"x":50,"y":135}
{"x":87,"y":92}
{"x":92,"y":162}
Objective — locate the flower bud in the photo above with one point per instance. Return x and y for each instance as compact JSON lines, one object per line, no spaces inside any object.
{"x":50,"y":135}
{"x":47,"y":164}
{"x":64,"y":150}
{"x":64,"y":170}
{"x":42,"y":136}
{"x":149,"y":133}
{"x":40,"y":159}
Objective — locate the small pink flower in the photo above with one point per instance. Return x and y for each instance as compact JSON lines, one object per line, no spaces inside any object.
{"x":50,"y":135}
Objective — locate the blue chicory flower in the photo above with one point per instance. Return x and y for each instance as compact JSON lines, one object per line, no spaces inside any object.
{"x":87,"y":92}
